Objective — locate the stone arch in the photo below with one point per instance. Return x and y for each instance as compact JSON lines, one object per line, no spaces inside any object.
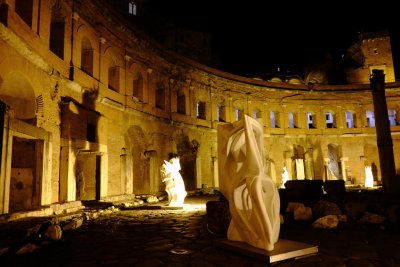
{"x":288,"y":159}
{"x":201,"y":108}
{"x":187,"y":153}
{"x":114,"y":64}
{"x":221,"y":107}
{"x":350,"y":118}
{"x":24,"y":104}
{"x":334,"y":166}
{"x":84,"y":32}
{"x":181,"y":101}
{"x":312,"y":121}
{"x":160,"y":95}
{"x":87,"y":56}
{"x":26,"y":169}
{"x":257,"y":112}
{"x":371,"y":157}
{"x":138,"y":85}
{"x":136,"y":82}
{"x":370,"y":117}
{"x":57,"y":30}
{"x":140,"y":160}
{"x":330,"y":119}
{"x":298,"y":162}
{"x":238,"y":109}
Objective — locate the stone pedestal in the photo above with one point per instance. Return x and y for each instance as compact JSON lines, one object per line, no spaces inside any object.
{"x":283,"y":250}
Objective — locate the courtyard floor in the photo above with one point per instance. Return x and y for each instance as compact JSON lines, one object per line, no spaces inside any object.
{"x":165,"y":237}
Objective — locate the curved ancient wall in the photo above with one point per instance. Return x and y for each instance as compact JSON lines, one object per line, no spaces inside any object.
{"x":116,"y":105}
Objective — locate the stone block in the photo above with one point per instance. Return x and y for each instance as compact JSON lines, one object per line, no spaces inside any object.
{"x":304,"y":188}
{"x":218,"y":217}
{"x":334,"y":187}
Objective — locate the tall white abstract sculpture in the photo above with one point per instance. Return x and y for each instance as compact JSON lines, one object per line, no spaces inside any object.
{"x":174,"y":184}
{"x":253,"y":197}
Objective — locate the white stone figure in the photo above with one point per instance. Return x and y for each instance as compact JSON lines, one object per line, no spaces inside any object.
{"x":369,"y":177}
{"x":285,"y":176}
{"x":253,"y":197}
{"x":174,"y":184}
{"x":300,"y":169}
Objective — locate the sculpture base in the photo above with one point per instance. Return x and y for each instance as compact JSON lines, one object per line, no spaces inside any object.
{"x":154,"y":207}
{"x":283,"y":250}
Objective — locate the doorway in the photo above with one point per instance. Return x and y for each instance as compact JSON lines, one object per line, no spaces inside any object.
{"x":25,"y":180}
{"x":88,"y":173}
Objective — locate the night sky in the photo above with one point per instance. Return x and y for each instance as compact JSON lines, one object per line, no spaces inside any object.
{"x":253,"y":36}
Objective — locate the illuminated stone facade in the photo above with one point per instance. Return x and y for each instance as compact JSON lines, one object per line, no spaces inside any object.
{"x":94,"y":108}
{"x":372,"y":51}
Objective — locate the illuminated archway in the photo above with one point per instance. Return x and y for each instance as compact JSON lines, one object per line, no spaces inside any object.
{"x":17,"y":92}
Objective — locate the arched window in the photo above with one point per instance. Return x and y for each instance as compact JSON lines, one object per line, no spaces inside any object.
{"x":256,"y":114}
{"x":239,"y":113}
{"x":132,"y":8}
{"x":86,"y":56}
{"x":57,"y":29}
{"x":392,"y":117}
{"x":138,"y":86}
{"x":181,"y":101}
{"x":113,"y":76}
{"x":330,"y":120}
{"x":24,"y":9}
{"x":293,"y":120}
{"x":160,"y":96}
{"x":274,"y":119}
{"x":370,"y":118}
{"x":221,"y":113}
{"x":201,"y":110}
{"x":311,"y":120}
{"x":350,"y":119}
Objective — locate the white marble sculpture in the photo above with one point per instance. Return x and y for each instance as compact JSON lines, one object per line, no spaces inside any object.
{"x":174,"y":184}
{"x":253,"y":197}
{"x":369,"y":177}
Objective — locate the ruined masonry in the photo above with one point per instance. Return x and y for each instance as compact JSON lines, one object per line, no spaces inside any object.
{"x":90,"y":109}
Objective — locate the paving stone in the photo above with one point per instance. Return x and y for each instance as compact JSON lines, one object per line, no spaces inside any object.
{"x":151,"y":263}
{"x":146,"y":237}
{"x":159,"y":247}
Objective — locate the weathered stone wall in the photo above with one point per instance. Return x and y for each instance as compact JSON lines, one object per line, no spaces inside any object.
{"x":131,"y":135}
{"x":377,"y":52}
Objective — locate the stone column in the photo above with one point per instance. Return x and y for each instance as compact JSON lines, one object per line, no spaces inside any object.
{"x":154,"y":170}
{"x":383,"y":134}
{"x":67,"y":171}
{"x":199,"y":179}
{"x":289,"y":164}
{"x":309,"y":163}
{"x":126,"y":172}
{"x":343,"y":164}
{"x":215,"y":171}
{"x":4,"y":182}
{"x":328,"y":174}
{"x":3,"y":108}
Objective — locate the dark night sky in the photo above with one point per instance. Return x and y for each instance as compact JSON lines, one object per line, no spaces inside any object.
{"x":263,"y":35}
